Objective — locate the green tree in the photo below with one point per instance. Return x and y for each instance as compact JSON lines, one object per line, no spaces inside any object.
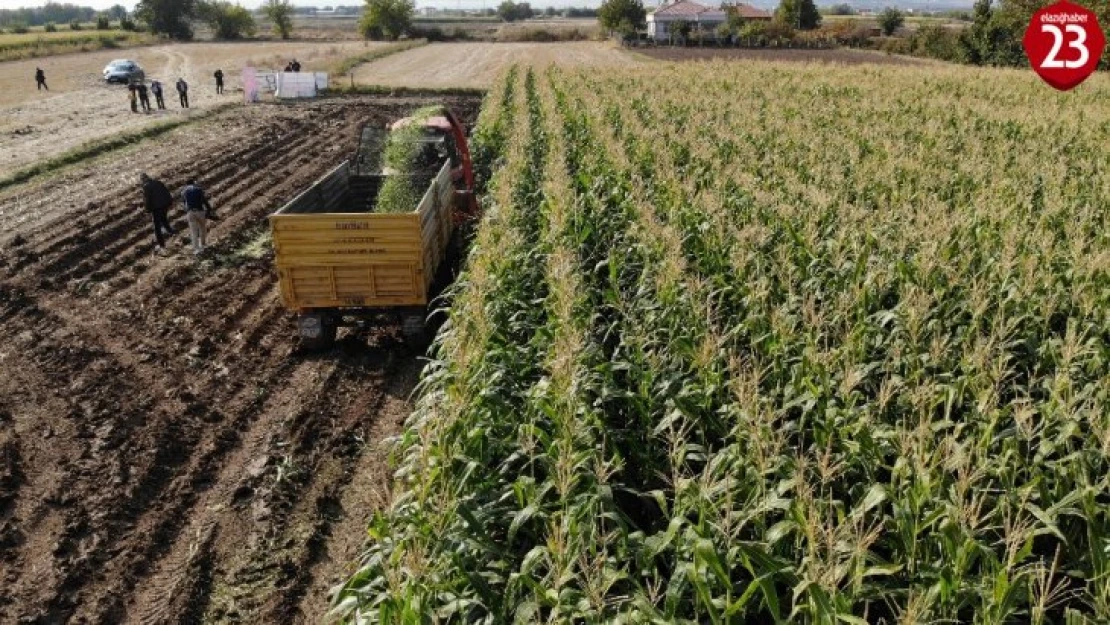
{"x":386,"y":19}
{"x":167,"y":17}
{"x":680,"y":31}
{"x":841,"y":9}
{"x":997,"y":28}
{"x":731,"y":27}
{"x":619,"y":15}
{"x":103,"y":23}
{"x":510,"y":11}
{"x":230,"y":21}
{"x":799,"y":14}
{"x":280,"y":14}
{"x":734,"y":20}
{"x":890,"y":20}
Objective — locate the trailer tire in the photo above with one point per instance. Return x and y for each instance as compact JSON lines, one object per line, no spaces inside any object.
{"x":317,"y":330}
{"x":414,"y":329}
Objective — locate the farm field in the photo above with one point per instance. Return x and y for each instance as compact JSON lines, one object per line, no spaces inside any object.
{"x":37,"y":125}
{"x":477,"y":65}
{"x":843,"y":56}
{"x":166,"y":454}
{"x":845,"y":362}
{"x":39,"y":43}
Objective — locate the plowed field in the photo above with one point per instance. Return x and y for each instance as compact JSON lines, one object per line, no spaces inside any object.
{"x":166,"y":453}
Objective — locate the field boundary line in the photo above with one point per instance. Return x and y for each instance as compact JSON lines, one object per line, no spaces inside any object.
{"x":389,"y":90}
{"x":347,"y":66}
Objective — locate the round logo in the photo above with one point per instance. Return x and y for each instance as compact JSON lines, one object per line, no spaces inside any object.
{"x":1064,"y":43}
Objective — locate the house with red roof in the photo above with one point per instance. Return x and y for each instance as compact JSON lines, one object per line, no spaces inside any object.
{"x":662,"y":21}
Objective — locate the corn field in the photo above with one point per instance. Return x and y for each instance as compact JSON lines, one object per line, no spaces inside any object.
{"x":767,"y":344}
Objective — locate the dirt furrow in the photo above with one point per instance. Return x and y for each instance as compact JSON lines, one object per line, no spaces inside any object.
{"x":166,"y":454}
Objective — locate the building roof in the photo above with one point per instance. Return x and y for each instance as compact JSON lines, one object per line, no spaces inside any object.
{"x":683,"y":7}
{"x":749,"y":12}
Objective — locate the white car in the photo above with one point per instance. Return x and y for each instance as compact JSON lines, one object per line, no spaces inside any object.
{"x":123,"y":70}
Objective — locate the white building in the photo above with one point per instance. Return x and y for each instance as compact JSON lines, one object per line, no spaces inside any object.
{"x":662,"y":21}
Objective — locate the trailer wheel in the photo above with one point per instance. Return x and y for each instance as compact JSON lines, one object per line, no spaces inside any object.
{"x":316,"y":330}
{"x":414,"y":329}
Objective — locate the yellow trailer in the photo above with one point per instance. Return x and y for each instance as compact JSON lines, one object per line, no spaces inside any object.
{"x":340,"y":262}
{"x":335,"y":259}
{"x":329,"y":258}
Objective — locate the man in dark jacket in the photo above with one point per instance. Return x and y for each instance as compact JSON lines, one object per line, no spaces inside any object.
{"x":156,"y":89}
{"x":197,"y":212}
{"x":40,"y":79}
{"x":183,"y":92}
{"x":157,"y":200}
{"x":219,"y":81}
{"x":144,"y":98}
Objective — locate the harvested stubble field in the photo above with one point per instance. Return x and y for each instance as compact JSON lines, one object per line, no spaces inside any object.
{"x":768,"y":343}
{"x":166,"y":454}
{"x":478,"y":65}
{"x":79,"y":108}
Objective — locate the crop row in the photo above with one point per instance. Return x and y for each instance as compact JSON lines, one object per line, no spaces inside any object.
{"x":767,"y":344}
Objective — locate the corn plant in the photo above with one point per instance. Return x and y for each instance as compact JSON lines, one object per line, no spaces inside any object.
{"x":765,"y":343}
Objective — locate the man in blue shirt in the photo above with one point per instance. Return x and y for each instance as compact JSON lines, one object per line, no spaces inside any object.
{"x":197,"y":212}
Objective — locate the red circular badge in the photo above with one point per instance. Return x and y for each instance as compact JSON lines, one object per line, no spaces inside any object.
{"x":1064,"y":43}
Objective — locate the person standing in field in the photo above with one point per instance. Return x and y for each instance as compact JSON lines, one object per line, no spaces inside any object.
{"x":219,"y":81}
{"x":133,"y":95}
{"x":197,"y":213}
{"x":183,"y":92}
{"x":144,"y":97}
{"x":156,"y":89}
{"x":40,"y":79}
{"x":157,"y":200}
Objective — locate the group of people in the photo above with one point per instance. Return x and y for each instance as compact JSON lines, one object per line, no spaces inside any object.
{"x":158,"y":200}
{"x":139,"y":95}
{"x":293,"y":66}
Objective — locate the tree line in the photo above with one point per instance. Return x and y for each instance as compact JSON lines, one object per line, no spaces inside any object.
{"x":49,"y":12}
{"x":994,"y":36}
{"x":174,"y":18}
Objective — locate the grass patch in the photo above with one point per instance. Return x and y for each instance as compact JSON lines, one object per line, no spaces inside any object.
{"x":346,"y":66}
{"x":14,"y":47}
{"x":102,"y":146}
{"x":258,"y":247}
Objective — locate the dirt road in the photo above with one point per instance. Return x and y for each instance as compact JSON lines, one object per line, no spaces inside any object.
{"x":79,"y":107}
{"x":166,"y":454}
{"x":479,"y":64}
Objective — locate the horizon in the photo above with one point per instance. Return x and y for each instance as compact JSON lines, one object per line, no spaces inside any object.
{"x":936,"y":5}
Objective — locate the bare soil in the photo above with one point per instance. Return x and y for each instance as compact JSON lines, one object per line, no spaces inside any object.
{"x":844,"y":56}
{"x":477,"y":65}
{"x":167,"y":454}
{"x":80,"y":107}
